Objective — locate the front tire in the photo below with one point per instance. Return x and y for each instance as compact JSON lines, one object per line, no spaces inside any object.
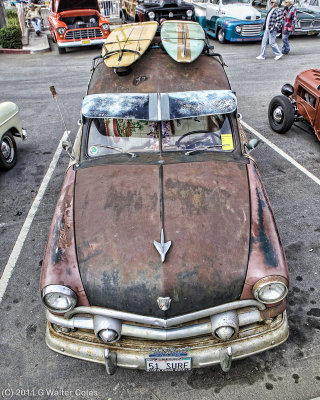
{"x":8,"y":152}
{"x":221,"y":37}
{"x":280,"y":114}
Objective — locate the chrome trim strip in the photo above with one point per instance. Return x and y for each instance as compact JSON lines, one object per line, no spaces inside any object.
{"x":245,"y":318}
{"x":2,"y":123}
{"x":165,"y":323}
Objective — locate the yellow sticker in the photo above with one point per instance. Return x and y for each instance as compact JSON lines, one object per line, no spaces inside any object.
{"x":227,"y":142}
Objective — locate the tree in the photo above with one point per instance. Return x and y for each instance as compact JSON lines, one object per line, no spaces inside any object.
{"x":2,"y":15}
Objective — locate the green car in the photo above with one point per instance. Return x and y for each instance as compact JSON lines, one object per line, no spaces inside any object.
{"x":308,"y":21}
{"x":10,"y":126}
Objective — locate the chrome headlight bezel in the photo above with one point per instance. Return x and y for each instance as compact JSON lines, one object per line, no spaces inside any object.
{"x":238,"y":29}
{"x":61,"y":30}
{"x":105,"y":26}
{"x":277,"y":284}
{"x":62,"y":291}
{"x":151,"y":15}
{"x":189,"y":13}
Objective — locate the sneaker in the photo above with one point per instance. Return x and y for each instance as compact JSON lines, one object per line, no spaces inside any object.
{"x":260,"y":57}
{"x":38,"y":33}
{"x":278,"y":57}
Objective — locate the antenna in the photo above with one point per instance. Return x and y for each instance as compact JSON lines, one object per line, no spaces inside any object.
{"x":54,"y":95}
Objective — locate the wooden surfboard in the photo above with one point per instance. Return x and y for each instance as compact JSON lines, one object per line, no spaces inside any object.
{"x":182,"y":40}
{"x":126,"y":44}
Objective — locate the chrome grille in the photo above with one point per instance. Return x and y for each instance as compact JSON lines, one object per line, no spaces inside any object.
{"x":251,"y":30}
{"x":309,"y":23}
{"x":78,"y":34}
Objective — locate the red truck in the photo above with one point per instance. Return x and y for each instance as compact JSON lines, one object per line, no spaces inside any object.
{"x":75,"y":23}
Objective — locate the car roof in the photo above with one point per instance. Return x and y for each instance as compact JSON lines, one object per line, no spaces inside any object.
{"x":156,"y":72}
{"x":310,"y":78}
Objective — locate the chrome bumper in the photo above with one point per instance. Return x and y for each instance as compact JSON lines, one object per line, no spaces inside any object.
{"x":204,"y":351}
{"x":78,"y":43}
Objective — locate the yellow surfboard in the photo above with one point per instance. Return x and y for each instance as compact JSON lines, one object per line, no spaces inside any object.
{"x":126,"y":44}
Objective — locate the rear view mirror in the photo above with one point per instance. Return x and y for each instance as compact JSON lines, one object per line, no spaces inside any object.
{"x":67,"y":146}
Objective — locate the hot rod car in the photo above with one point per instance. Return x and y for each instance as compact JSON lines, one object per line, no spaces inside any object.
{"x":230,"y":20}
{"x":163,"y":253}
{"x":10,"y":127}
{"x":155,"y":10}
{"x":297,"y":103}
{"x":75,"y":23}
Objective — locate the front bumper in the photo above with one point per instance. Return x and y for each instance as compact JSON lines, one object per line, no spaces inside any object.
{"x":79,"y":43}
{"x":132,"y":353}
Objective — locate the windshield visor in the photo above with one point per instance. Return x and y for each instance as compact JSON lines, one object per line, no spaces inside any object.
{"x":159,"y":106}
{"x":110,"y":136}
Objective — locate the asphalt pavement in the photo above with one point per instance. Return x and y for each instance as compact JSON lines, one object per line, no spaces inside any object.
{"x":29,"y":369}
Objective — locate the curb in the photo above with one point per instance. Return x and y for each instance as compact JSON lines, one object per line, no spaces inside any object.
{"x":14,"y":51}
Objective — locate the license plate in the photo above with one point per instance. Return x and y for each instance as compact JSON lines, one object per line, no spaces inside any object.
{"x":86,"y":42}
{"x":311,"y":32}
{"x":168,"y":364}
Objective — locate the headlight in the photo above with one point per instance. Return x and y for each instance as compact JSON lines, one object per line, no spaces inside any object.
{"x":270,"y":290}
{"x":105,"y":27}
{"x":61,"y":31}
{"x":189,"y":13}
{"x":238,"y":29}
{"x":151,"y":15}
{"x":58,"y":298}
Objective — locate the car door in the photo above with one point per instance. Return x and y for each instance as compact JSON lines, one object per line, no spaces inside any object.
{"x":212,"y":14}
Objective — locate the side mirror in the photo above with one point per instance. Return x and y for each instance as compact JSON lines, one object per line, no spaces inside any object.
{"x":67,"y":146}
{"x":252,"y":144}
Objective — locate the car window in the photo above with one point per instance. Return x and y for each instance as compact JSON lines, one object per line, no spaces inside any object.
{"x":226,"y":2}
{"x":208,"y":133}
{"x":306,"y":96}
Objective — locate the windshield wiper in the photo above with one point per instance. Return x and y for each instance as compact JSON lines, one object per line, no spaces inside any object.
{"x":200,"y":148}
{"x":119,"y":149}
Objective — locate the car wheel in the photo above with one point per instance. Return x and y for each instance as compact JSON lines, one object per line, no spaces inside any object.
{"x":8,"y":151}
{"x":221,"y":37}
{"x":281,"y":114}
{"x":61,"y":50}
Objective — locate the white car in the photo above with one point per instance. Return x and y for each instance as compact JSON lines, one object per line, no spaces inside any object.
{"x":10,"y":126}
{"x":313,"y":5}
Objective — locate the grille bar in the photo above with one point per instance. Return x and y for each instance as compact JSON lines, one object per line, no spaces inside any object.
{"x":251,"y":30}
{"x":78,"y":34}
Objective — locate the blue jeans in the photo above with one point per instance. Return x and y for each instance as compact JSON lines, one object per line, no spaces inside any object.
{"x":285,"y":39}
{"x":37,"y":24}
{"x":271,"y":38}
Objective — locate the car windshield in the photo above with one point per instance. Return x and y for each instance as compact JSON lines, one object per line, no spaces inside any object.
{"x":204,"y":133}
{"x":226,"y":2}
{"x":296,"y":3}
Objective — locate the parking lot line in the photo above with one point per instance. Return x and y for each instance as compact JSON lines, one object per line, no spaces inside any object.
{"x":8,"y":270}
{"x":281,"y":152}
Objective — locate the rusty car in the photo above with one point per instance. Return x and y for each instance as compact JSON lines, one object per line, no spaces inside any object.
{"x":297,"y":103}
{"x":163,"y":253}
{"x":73,"y":24}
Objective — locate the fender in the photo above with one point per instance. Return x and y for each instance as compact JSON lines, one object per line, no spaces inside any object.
{"x":60,"y":264}
{"x":266,"y":255}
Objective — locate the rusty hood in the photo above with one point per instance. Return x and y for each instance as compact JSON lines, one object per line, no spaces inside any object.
{"x":206,"y":215}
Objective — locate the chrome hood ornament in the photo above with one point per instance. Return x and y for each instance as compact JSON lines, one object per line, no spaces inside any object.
{"x":162,"y":247}
{"x":164,"y":303}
